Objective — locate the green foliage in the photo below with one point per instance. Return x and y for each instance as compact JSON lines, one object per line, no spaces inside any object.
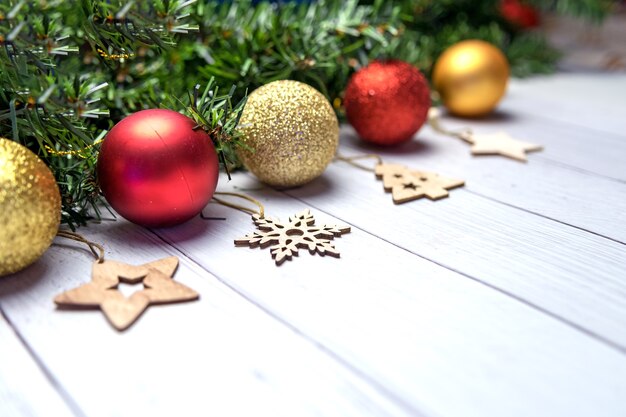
{"x":69,"y":73}
{"x":216,"y":114}
{"x":593,"y":10}
{"x":71,"y":69}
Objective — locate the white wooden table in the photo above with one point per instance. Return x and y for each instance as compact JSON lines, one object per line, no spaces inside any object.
{"x":506,"y":299}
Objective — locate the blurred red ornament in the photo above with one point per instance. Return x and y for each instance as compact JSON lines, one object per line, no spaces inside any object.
{"x":520,"y":14}
{"x":387,"y":101}
{"x":156,"y":170}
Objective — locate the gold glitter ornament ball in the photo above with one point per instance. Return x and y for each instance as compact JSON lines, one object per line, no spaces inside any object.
{"x":30,"y":207}
{"x":471,"y":77}
{"x":292,"y":132}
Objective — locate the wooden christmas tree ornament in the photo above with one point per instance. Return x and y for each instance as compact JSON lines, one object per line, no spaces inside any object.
{"x":103,"y":292}
{"x":407,"y":185}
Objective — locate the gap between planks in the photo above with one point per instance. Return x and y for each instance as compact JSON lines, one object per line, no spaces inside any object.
{"x":494,"y":287}
{"x":559,"y":187}
{"x":601,"y":106}
{"x":520,"y":299}
{"x":196,"y":248}
{"x":579,"y":169}
{"x":49,"y":377}
{"x":582,"y":229}
{"x":597,"y":334}
{"x":518,"y":207}
{"x":150,"y":235}
{"x":537,"y":118}
{"x":383,"y":390}
{"x":201,"y":267}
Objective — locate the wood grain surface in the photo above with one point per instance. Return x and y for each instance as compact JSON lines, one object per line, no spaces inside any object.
{"x":24,"y":389}
{"x":508,"y":298}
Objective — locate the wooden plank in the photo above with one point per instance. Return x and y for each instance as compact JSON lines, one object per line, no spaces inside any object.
{"x":444,"y":343}
{"x":533,"y":258}
{"x":588,"y":149}
{"x":24,"y":389}
{"x":220,"y":356}
{"x":579,"y":119}
{"x":594,"y":101}
{"x":586,"y":201}
{"x":378,"y":332}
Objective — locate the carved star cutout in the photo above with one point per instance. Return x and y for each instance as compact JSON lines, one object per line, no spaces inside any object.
{"x":500,"y":143}
{"x":407,"y":185}
{"x":288,"y":238}
{"x":102,"y":291}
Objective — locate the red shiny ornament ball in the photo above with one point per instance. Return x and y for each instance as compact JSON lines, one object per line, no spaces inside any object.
{"x":387,"y":102}
{"x":156,"y":170}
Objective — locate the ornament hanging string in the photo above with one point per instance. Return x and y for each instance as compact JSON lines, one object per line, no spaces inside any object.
{"x":351,"y":160}
{"x":434,"y":121}
{"x":260,"y":212}
{"x":95,"y":248}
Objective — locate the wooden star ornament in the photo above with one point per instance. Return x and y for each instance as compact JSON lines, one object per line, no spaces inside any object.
{"x":500,"y":143}
{"x":103,"y":292}
{"x":407,"y":185}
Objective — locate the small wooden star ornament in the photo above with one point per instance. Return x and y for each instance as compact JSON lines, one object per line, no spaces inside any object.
{"x":407,"y":185}
{"x":287,"y":238}
{"x":102,"y":291}
{"x":500,"y":143}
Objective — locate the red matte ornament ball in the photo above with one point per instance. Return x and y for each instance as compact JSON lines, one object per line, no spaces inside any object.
{"x":520,"y":14}
{"x":387,"y":102}
{"x":156,"y":170}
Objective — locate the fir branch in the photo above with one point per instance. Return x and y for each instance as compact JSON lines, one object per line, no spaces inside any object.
{"x":56,"y":102}
{"x":70,"y":70}
{"x":319,"y":43}
{"x":216,"y":114}
{"x":593,"y":10}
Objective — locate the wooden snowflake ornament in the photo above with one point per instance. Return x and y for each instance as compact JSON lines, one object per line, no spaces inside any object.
{"x":102,"y":291}
{"x":407,"y":185}
{"x":287,"y":238}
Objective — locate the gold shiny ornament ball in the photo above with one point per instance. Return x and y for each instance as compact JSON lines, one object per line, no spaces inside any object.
{"x":290,"y":133}
{"x":471,"y":77}
{"x":30,"y":207}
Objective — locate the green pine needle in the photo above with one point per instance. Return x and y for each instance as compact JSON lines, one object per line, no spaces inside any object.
{"x":70,"y":70}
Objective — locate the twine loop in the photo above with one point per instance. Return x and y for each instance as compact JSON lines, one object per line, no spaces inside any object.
{"x":351,"y":160}
{"x":248,"y":210}
{"x":95,"y":248}
{"x":434,"y":120}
